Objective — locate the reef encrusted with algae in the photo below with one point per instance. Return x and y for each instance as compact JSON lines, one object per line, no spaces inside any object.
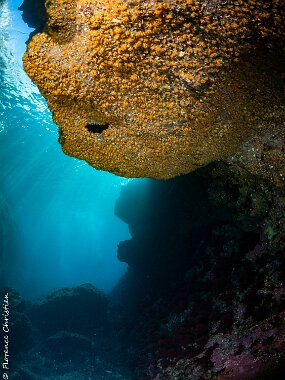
{"x":160,"y":88}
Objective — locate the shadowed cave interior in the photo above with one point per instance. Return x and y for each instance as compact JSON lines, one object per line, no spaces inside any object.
{"x":203,"y":295}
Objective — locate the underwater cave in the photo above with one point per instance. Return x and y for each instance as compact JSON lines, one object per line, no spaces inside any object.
{"x":112,"y":278}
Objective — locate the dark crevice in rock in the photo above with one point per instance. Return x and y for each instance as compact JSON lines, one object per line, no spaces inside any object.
{"x":96,"y":127}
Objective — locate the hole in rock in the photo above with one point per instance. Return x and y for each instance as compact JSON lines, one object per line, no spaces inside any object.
{"x":96,"y":127}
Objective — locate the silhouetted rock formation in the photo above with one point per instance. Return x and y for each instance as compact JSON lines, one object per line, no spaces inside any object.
{"x":82,"y":310}
{"x":65,"y":333}
{"x":207,"y":265}
{"x":34,"y":14}
{"x":203,"y":297}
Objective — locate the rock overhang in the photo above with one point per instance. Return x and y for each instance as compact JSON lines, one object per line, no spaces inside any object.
{"x":167,"y":86}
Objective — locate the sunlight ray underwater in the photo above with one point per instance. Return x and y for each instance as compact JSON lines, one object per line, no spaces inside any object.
{"x":58,"y":226}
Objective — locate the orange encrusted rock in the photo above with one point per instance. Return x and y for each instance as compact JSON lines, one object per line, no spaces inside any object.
{"x":159,"y":88}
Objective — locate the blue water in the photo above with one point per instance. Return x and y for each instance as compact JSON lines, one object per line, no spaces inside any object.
{"x":57,"y":226}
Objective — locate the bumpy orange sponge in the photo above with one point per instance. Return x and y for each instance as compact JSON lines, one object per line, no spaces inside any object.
{"x":158,"y":88}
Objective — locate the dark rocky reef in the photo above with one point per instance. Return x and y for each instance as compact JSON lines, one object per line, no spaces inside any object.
{"x":203,"y":297}
{"x":20,"y":326}
{"x":81,"y":310}
{"x":63,"y":335}
{"x":206,"y":277}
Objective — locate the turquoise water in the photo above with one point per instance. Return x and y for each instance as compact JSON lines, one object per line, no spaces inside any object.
{"x":58,"y":226}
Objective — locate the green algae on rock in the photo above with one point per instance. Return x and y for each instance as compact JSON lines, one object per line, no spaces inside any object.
{"x":158,"y":89}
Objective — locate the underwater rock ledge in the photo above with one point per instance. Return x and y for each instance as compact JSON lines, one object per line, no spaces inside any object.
{"x":158,"y":89}
{"x":205,"y":283}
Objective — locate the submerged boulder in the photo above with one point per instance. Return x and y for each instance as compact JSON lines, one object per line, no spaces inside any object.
{"x":66,"y":346}
{"x":81,"y":310}
{"x":157,"y":89}
{"x":71,"y":337}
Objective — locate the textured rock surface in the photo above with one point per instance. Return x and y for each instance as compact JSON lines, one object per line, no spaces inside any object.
{"x":82,"y":310}
{"x":206,"y":277}
{"x":157,"y":89}
{"x":64,"y":335}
